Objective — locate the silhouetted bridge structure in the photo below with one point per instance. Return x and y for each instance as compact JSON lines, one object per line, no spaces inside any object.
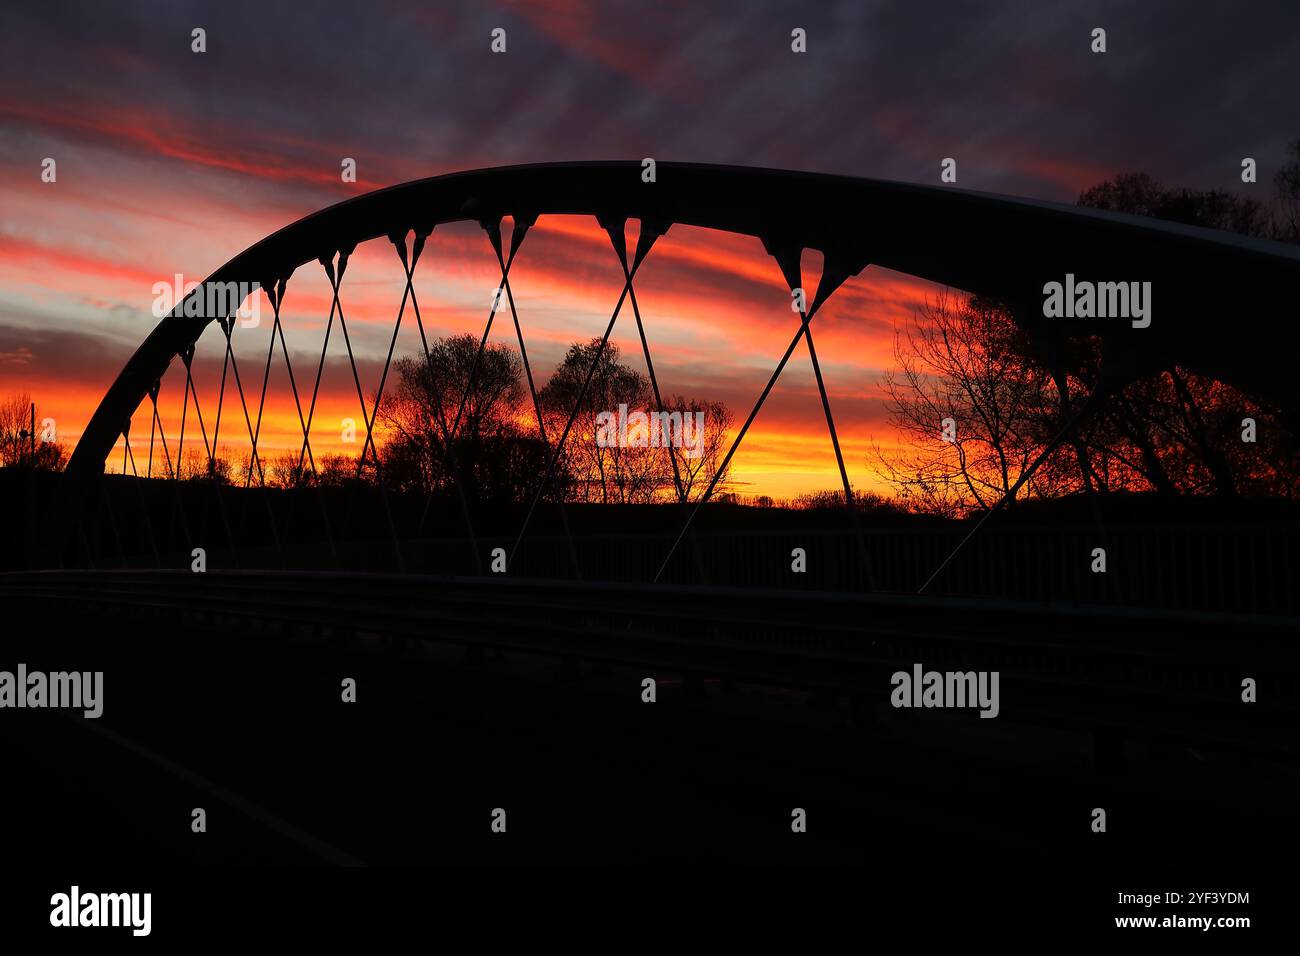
{"x":1208,"y":289}
{"x":1223,"y":306}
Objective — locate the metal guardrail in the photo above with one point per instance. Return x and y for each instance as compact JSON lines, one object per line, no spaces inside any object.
{"x":1117,"y":673}
{"x":1251,"y":564}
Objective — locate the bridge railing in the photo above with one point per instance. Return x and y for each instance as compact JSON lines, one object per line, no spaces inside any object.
{"x":1118,"y":674}
{"x":1246,"y":567}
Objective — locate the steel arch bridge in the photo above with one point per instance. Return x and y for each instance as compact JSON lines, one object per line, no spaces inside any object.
{"x":1224,"y":306}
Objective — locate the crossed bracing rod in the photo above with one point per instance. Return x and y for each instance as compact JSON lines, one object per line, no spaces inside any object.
{"x":838,"y":267}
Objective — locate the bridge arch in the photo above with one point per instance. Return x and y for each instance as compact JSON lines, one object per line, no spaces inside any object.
{"x":1223,"y":305}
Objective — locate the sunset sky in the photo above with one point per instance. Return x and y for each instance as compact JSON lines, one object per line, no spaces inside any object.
{"x":170,"y":161}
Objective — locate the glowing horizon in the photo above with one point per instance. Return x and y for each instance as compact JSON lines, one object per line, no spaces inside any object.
{"x":173,"y":162}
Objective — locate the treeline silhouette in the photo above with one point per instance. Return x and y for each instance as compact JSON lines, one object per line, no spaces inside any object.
{"x":978,"y":404}
{"x":464,"y":421}
{"x":23,"y":439}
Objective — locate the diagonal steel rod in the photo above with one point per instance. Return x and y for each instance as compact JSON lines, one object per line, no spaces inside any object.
{"x":212,"y":472}
{"x":221,"y":397}
{"x":306,"y":435}
{"x":532,"y":390}
{"x":320,"y":370}
{"x":383,"y":378}
{"x":255,"y":432}
{"x":577,"y":405}
{"x":162,"y":435}
{"x":336,"y":280}
{"x":198,"y":413}
{"x":144,"y":507}
{"x":305,"y":424}
{"x":409,"y":269}
{"x":175,"y":467}
{"x":659,"y":405}
{"x":469,"y":385}
{"x":288,"y":365}
{"x":266,"y":378}
{"x":839,"y":455}
{"x":180,"y":441}
{"x":153,"y":422}
{"x":1025,"y":475}
{"x":254,"y":461}
{"x":708,"y":492}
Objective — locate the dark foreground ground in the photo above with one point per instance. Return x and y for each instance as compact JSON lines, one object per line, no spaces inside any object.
{"x":921,"y":814}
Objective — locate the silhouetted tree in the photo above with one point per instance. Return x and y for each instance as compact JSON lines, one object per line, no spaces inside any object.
{"x":19,"y":447}
{"x":289,"y":470}
{"x":491,"y":448}
{"x":1174,"y":432}
{"x":1140,"y":195}
{"x":699,"y":464}
{"x":1287,"y":181}
{"x":592,"y":470}
{"x":1179,"y":431}
{"x":971,"y":409}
